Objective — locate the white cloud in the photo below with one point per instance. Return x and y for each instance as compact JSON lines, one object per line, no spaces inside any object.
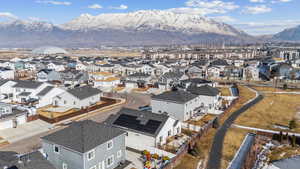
{"x":66,"y":3}
{"x":121,"y":7}
{"x":214,"y":4}
{"x":205,"y":7}
{"x":7,"y":15}
{"x":259,"y":9}
{"x":257,"y":1}
{"x":280,"y":1}
{"x":95,"y":6}
{"x":271,"y":27}
{"x":225,"y":19}
{"x":194,"y":11}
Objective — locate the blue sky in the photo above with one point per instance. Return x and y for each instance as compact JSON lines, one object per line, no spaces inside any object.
{"x":253,"y":16}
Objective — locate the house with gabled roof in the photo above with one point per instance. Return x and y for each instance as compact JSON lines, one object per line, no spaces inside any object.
{"x":179,"y":104}
{"x":79,"y":97}
{"x":145,"y":129}
{"x":85,"y":145}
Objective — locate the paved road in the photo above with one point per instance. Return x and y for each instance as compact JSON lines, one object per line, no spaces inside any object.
{"x":34,"y":142}
{"x":215,"y":155}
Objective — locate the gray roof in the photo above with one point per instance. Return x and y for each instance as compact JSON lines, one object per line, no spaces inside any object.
{"x":178,"y":96}
{"x":196,"y":81}
{"x":84,"y":92}
{"x":205,"y":90}
{"x":37,"y":161}
{"x":2,"y":82}
{"x":45,"y":91}
{"x":172,"y":75}
{"x":27,"y":84}
{"x":84,"y":136}
{"x":139,"y":122}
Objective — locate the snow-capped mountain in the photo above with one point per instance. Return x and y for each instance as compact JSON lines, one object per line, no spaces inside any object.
{"x":150,"y":27}
{"x":291,"y":34}
{"x":151,"y":20}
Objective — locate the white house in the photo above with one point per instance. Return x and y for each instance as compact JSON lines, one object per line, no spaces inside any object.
{"x":179,"y":104}
{"x":56,"y":66}
{"x":46,"y":96}
{"x":11,"y":117}
{"x":81,"y":97}
{"x":145,"y":129}
{"x":6,"y":73}
{"x":208,"y":97}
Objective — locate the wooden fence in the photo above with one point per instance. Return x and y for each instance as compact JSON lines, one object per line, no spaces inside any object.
{"x":108,"y":102}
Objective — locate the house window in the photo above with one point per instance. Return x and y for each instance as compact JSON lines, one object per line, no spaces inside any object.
{"x":119,"y":154}
{"x":65,"y":102}
{"x":102,"y":165}
{"x":110,"y":145}
{"x":169,"y":133}
{"x":56,"y":149}
{"x":160,"y":139}
{"x":64,"y":166}
{"x":91,"y":155}
{"x":110,"y":161}
{"x":74,"y":103}
{"x":94,"y":167}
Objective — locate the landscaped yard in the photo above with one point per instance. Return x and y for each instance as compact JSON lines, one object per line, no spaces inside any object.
{"x":204,"y":120}
{"x":273,"y":111}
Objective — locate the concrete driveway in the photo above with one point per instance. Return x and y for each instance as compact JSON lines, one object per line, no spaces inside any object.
{"x":25,"y":131}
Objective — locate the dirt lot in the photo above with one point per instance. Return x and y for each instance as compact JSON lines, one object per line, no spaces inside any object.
{"x":274,"y":109}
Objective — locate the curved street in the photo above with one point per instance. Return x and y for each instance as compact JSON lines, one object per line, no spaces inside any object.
{"x":215,"y":155}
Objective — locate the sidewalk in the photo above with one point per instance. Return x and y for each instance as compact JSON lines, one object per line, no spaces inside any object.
{"x":25,"y":131}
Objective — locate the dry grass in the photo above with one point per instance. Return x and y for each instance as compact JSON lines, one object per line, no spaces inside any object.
{"x":245,"y":95}
{"x":225,"y":91}
{"x":272,"y":89}
{"x":140,"y":89}
{"x":283,"y":152}
{"x":232,"y":142}
{"x":273,"y":109}
{"x":203,"y":146}
{"x":119,"y":89}
{"x":188,"y":162}
{"x":203,"y":120}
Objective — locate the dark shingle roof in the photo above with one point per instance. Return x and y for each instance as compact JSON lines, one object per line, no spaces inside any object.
{"x":27,"y":84}
{"x":144,"y":122}
{"x":45,"y":91}
{"x":25,"y":94}
{"x":84,"y":92}
{"x":37,"y":161}
{"x":203,"y":90}
{"x":196,"y":81}
{"x":219,"y":62}
{"x":84,"y":136}
{"x":179,"y":96}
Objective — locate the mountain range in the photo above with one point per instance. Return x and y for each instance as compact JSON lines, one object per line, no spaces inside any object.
{"x":141,"y":28}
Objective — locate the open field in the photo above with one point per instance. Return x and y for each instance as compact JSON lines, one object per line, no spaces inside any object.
{"x":283,"y":152}
{"x":274,"y":109}
{"x":233,"y":140}
{"x":272,"y":89}
{"x":245,"y":95}
{"x":225,"y":91}
{"x":108,"y":53}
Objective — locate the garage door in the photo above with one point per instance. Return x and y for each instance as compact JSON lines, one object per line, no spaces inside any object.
{"x":21,"y":119}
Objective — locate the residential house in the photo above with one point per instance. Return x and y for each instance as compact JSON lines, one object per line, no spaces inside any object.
{"x":6,"y":73}
{"x":209,"y":98}
{"x":139,"y":79}
{"x":170,"y":79}
{"x":45,"y":97}
{"x":80,"y":97}
{"x":46,"y":75}
{"x":145,"y":129}
{"x":33,"y":160}
{"x":179,"y":104}
{"x":85,"y":145}
{"x":11,"y":117}
{"x":57,"y":66}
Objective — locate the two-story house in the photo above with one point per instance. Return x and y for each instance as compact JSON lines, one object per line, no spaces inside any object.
{"x":85,"y":145}
{"x":179,"y":104}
